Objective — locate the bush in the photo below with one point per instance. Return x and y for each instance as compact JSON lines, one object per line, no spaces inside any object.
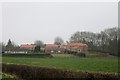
{"x":37,"y":49}
{"x":80,"y":54}
{"x":42,"y":55}
{"x":35,"y":73}
{"x":70,"y":52}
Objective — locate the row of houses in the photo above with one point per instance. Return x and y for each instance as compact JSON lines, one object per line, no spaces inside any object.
{"x":53,"y":48}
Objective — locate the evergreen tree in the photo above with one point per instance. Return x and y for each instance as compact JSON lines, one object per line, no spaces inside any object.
{"x":37,"y":49}
{"x":9,"y":45}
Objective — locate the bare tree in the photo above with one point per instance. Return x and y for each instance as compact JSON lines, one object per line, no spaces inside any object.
{"x":58,"y":41}
{"x":105,"y":41}
{"x":39,"y":43}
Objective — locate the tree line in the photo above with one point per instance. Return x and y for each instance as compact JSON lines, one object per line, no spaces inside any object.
{"x":106,"y":41}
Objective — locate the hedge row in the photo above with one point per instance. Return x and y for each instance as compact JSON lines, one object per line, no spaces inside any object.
{"x":36,"y":73}
{"x":28,"y":55}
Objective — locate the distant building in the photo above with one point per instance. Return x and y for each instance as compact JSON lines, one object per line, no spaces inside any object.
{"x":77,"y":46}
{"x":27,"y":46}
{"x":53,"y":48}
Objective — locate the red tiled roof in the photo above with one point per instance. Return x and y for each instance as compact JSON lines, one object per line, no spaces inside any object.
{"x":77,"y":44}
{"x":51,"y":45}
{"x":27,"y":46}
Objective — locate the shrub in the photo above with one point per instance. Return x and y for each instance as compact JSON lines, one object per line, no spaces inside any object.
{"x":68,"y":52}
{"x":36,"y":73}
{"x":37,"y":49}
{"x":80,"y":54}
{"x":42,"y":55}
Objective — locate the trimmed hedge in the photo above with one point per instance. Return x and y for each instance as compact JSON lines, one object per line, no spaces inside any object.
{"x":36,"y":73}
{"x":28,"y":55}
{"x":79,"y":54}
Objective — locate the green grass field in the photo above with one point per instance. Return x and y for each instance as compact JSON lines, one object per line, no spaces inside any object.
{"x":70,"y":62}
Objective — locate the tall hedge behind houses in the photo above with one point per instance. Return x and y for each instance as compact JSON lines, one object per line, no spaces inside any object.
{"x":36,"y":73}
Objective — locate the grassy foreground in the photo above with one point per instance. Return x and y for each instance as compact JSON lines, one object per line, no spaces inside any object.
{"x":69,"y":62}
{"x":4,"y":76}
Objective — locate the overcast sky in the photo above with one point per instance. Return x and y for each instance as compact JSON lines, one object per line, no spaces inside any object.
{"x":27,"y":22}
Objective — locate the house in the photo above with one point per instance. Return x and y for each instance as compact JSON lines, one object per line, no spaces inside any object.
{"x":77,"y":46}
{"x":27,"y":46}
{"x":74,"y":46}
{"x":53,"y":48}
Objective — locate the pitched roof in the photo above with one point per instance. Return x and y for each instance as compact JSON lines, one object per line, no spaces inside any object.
{"x":77,"y":44}
{"x":27,"y":46}
{"x":51,"y":45}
